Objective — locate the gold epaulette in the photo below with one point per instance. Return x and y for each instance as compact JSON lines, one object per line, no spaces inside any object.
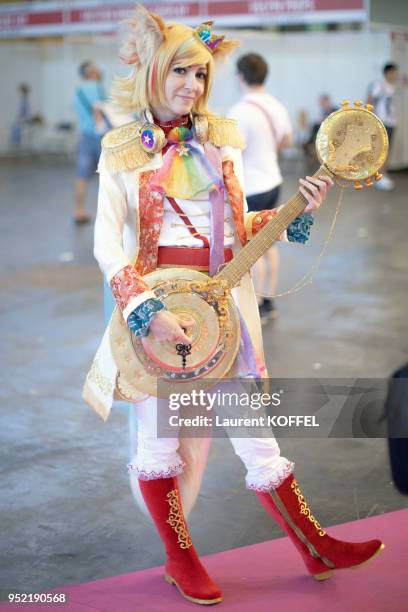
{"x":224,"y":132}
{"x":123,"y":150}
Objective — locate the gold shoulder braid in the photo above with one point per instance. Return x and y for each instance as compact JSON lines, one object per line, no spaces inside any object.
{"x":176,"y":519}
{"x":223,"y":132}
{"x":122,"y":148}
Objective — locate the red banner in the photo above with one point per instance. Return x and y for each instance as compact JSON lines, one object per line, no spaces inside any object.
{"x":40,"y":19}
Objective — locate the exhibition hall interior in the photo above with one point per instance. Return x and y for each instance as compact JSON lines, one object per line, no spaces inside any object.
{"x":194,"y":415}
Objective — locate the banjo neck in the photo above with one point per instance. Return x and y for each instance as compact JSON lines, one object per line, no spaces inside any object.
{"x":264,"y":239}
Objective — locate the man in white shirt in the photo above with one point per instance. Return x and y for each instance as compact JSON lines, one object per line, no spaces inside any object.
{"x":381,"y":96}
{"x":265,"y":125}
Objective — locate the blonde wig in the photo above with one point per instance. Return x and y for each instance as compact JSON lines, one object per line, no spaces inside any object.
{"x":153,"y":47}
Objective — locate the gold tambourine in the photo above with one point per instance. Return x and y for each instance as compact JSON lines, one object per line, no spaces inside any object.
{"x":352,"y":144}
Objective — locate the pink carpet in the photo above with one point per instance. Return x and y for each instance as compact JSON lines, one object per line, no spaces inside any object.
{"x":267,"y":577}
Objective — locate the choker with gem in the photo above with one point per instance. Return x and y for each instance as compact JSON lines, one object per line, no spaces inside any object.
{"x":153,"y":132}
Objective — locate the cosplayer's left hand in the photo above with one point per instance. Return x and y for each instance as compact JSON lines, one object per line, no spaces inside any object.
{"x":314,"y":190}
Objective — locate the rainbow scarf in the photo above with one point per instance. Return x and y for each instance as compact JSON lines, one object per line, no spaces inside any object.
{"x":186,"y":172}
{"x":189,"y":174}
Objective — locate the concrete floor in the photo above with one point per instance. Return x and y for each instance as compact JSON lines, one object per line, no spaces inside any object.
{"x":67,"y":511}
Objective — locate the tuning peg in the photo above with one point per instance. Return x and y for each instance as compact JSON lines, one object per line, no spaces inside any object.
{"x":357,"y":185}
{"x":369,"y":182}
{"x":369,"y":107}
{"x":378,"y":176}
{"x":345,"y":103}
{"x":358,"y":103}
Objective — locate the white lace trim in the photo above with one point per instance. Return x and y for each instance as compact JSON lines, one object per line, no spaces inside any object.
{"x":262,"y":484}
{"x":172,"y":470}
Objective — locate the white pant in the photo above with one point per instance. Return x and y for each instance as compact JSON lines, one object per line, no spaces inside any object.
{"x":158,"y":457}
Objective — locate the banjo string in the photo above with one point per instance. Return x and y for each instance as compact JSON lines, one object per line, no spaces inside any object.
{"x":307,"y":279}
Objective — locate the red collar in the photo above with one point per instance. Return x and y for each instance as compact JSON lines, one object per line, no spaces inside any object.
{"x":166,"y":126}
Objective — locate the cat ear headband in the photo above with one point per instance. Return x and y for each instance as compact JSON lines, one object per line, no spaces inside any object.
{"x":147,"y":31}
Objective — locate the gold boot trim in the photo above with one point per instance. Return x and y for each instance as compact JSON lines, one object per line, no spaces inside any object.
{"x":176,"y":519}
{"x":282,"y":509}
{"x":323,"y":575}
{"x":367,"y":561}
{"x":329,"y":573}
{"x":304,"y":508}
{"x":204,"y":602}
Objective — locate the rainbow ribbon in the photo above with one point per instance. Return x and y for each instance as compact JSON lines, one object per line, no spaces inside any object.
{"x":187,"y":173}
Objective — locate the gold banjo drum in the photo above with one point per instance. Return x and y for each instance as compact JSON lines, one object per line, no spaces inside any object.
{"x":352,"y":146}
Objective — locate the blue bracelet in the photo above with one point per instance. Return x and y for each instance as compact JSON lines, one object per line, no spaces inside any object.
{"x":299,"y":229}
{"x":139,"y":320}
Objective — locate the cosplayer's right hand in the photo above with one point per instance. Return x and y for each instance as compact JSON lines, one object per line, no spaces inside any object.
{"x":167,"y":327}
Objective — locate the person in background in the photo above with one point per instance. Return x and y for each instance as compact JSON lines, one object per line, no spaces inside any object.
{"x":326,"y":108}
{"x":24,"y":116}
{"x":381,"y":96}
{"x":265,"y":125}
{"x":92,"y":125}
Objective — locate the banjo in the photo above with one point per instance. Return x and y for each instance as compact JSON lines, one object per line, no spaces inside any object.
{"x":352,"y":146}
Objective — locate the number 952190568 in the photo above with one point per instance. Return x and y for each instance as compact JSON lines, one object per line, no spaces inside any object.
{"x":45,"y":598}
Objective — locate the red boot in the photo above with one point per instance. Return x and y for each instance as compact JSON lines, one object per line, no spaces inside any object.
{"x":321,"y":553}
{"x":183,"y":567}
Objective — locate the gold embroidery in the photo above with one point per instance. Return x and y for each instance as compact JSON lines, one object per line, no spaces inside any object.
{"x":127,"y":391}
{"x":304,"y":508}
{"x":236,"y":198}
{"x":95,"y":374}
{"x":176,"y":519}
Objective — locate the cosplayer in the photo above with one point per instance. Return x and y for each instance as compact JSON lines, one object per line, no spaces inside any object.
{"x":161,"y":186}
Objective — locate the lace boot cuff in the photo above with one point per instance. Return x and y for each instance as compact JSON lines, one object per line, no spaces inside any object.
{"x":270,"y":480}
{"x":146,"y":474}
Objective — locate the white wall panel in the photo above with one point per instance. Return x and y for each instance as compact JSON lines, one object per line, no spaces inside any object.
{"x":302,"y":65}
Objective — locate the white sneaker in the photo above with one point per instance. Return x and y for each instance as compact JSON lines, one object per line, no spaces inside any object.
{"x":384,"y":184}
